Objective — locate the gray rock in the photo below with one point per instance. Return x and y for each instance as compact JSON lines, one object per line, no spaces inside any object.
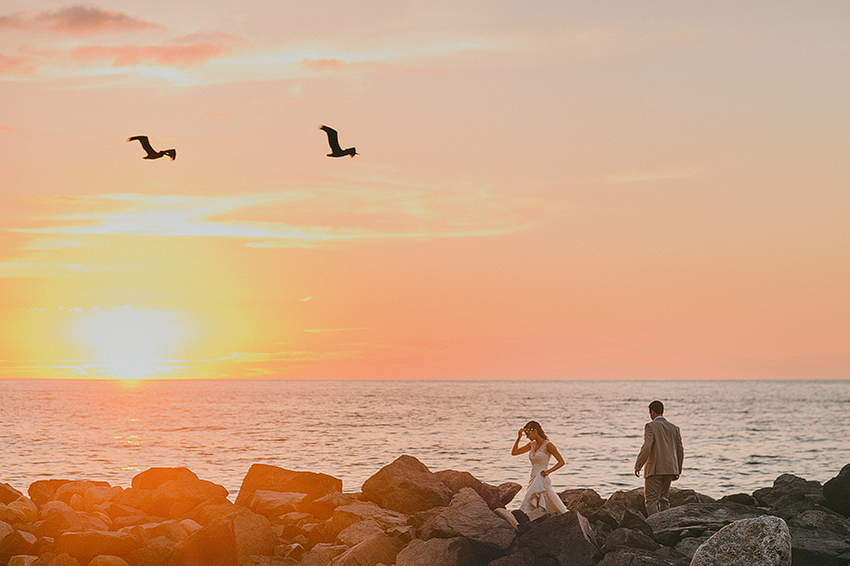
{"x":585,"y":501}
{"x":740,"y":498}
{"x":495,"y":496}
{"x":273,"y":478}
{"x":689,"y":545}
{"x":836,"y":492}
{"x":373,"y":550}
{"x":669,"y":525}
{"x":819,"y":537}
{"x":523,"y":557}
{"x":469,"y":516}
{"x":623,"y":537}
{"x":788,"y":484}
{"x":438,"y":552}
{"x":762,"y":541}
{"x":406,"y":485}
{"x":561,"y":540}
{"x":684,"y":496}
{"x":638,"y":557}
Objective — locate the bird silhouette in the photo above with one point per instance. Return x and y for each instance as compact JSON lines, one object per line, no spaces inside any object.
{"x":333,"y":141}
{"x":152,"y":153}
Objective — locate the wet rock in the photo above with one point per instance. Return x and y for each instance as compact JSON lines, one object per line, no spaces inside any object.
{"x":561,"y":540}
{"x":495,"y":496}
{"x":376,"y":549}
{"x":152,"y":478}
{"x":226,"y":542}
{"x":836,"y":492}
{"x":273,"y":478}
{"x":9,"y":493}
{"x":761,"y":541}
{"x":623,"y":537}
{"x":438,"y":551}
{"x":84,"y":546}
{"x":407,"y":486}
{"x":669,"y":525}
{"x":469,"y":516}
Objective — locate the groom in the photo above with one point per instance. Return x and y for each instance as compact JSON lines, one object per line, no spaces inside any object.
{"x":662,"y":452}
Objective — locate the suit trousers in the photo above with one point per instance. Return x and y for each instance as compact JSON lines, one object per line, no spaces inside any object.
{"x":656,"y":492}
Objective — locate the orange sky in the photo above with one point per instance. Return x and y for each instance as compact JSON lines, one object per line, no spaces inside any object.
{"x":637,"y":190}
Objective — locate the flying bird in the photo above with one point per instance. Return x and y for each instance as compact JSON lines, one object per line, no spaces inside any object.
{"x":333,"y":141}
{"x":152,"y":153}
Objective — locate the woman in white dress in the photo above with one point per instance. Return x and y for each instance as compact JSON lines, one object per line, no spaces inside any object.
{"x":539,"y":497}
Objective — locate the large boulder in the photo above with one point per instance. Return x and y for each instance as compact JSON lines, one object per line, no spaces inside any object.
{"x":762,"y":541}
{"x":273,"y":478}
{"x":14,"y":542}
{"x":152,"y":478}
{"x":836,"y":492}
{"x":695,"y":518}
{"x":788,"y":484}
{"x":468,"y":515}
{"x":495,"y":496}
{"x":84,"y":546}
{"x":226,"y":542}
{"x":42,"y":491}
{"x":438,"y":551}
{"x":523,"y":557}
{"x":623,"y":537}
{"x":175,"y":498}
{"x":561,"y":540}
{"x":819,"y":537}
{"x":9,"y":493}
{"x":377,"y":549}
{"x":406,"y":485}
{"x":640,"y":557}
{"x":275,"y":503}
{"x":585,"y":501}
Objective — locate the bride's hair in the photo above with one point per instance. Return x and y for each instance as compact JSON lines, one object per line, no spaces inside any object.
{"x":534,"y":425}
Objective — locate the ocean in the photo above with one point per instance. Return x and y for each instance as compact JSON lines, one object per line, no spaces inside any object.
{"x":738,"y":435}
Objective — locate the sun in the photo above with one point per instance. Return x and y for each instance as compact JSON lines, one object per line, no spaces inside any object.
{"x":130,"y":343}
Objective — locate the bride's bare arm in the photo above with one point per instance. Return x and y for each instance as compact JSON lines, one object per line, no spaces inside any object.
{"x":517,"y":449}
{"x":560,"y":460}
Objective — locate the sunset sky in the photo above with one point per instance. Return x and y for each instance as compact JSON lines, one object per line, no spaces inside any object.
{"x":546,"y":190}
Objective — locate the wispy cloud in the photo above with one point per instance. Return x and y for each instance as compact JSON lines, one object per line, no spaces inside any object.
{"x":16,"y":66}
{"x":27,"y":269}
{"x":77,"y":20}
{"x":183,"y":52}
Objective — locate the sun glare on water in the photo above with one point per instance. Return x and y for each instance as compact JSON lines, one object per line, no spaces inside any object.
{"x":132,"y":343}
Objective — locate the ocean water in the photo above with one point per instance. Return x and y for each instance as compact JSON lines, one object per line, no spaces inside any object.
{"x":738,"y":435}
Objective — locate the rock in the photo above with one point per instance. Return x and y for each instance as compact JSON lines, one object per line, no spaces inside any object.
{"x":358,"y":532}
{"x":10,"y":515}
{"x":375,"y":549}
{"x":836,"y":492}
{"x":69,"y":489}
{"x":26,"y":507}
{"x":406,"y":485}
{"x":638,"y":557}
{"x":819,"y":537}
{"x":740,"y":498}
{"x":613,"y":509}
{"x":523,"y":557}
{"x":16,"y":542}
{"x":437,"y":552}
{"x":623,"y":537}
{"x":22,"y":560}
{"x":106,"y":560}
{"x":275,"y":503}
{"x":688,"y":546}
{"x":152,"y":478}
{"x":349,"y":514}
{"x":323,"y":507}
{"x":273,"y":478}
{"x":788,"y":484}
{"x":494,"y":496}
{"x":50,"y":559}
{"x":9,"y":493}
{"x":227,"y":541}
{"x":95,"y":496}
{"x":761,"y":541}
{"x":585,"y":501}
{"x":668,"y":526}
{"x":469,"y":516}
{"x":684,"y":496}
{"x":635,"y":521}
{"x":322,"y":554}
{"x":176,"y":498}
{"x":172,"y":530}
{"x":42,"y":491}
{"x":84,"y":546}
{"x":561,"y":540}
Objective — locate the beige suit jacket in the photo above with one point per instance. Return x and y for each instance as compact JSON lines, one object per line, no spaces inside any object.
{"x":662,"y":452}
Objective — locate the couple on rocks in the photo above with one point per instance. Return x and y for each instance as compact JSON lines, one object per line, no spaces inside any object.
{"x":660,"y":457}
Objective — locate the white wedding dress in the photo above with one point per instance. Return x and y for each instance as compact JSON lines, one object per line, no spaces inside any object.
{"x":540,"y":494}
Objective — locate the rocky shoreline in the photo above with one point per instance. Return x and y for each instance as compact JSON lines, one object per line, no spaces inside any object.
{"x":405,"y":515}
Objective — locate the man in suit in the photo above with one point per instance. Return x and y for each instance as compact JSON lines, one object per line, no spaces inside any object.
{"x":662,"y":454}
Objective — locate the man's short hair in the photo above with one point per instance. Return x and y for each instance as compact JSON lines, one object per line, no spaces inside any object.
{"x":657,"y":407}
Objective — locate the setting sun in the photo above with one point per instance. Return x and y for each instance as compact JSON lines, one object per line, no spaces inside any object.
{"x":131,"y":343}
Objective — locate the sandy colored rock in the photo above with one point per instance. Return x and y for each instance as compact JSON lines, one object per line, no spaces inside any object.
{"x":152,"y":478}
{"x":469,"y":516}
{"x":108,"y":560}
{"x":9,"y":493}
{"x":273,"y":478}
{"x":408,"y":486}
{"x":443,"y":551}
{"x":762,"y":541}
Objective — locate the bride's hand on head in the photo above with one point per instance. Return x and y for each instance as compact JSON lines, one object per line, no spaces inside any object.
{"x":519,"y":434}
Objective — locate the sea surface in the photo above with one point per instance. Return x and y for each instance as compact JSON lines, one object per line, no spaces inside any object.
{"x":738,"y":435}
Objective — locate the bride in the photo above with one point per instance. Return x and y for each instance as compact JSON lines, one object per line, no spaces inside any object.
{"x":539,"y":497}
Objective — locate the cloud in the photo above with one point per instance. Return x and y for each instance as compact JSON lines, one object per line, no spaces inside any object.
{"x":15,"y":66}
{"x":77,"y":20}
{"x":26,"y":269}
{"x":183,"y":52}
